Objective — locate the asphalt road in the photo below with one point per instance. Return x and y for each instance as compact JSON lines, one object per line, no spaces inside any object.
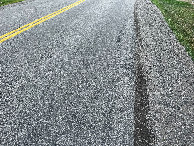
{"x":69,"y":80}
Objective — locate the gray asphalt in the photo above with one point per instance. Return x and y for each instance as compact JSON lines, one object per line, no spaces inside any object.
{"x":70,"y":80}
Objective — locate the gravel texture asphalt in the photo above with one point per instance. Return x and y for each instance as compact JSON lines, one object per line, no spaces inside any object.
{"x":69,"y":80}
{"x":167,"y":73}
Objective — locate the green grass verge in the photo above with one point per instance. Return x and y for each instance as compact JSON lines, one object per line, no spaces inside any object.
{"x":5,"y":2}
{"x":180,"y":18}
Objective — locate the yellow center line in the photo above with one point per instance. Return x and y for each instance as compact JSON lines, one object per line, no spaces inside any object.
{"x":36,"y":22}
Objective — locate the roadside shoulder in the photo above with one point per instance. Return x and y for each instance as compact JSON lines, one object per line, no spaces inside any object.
{"x":15,"y":4}
{"x":169,"y":79}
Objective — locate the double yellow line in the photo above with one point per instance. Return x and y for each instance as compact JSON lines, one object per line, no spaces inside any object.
{"x":36,"y":22}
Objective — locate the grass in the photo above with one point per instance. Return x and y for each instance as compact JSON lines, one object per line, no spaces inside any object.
{"x":5,"y":2}
{"x":180,"y":18}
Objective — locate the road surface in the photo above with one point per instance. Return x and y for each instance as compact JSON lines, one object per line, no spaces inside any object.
{"x":69,"y":80}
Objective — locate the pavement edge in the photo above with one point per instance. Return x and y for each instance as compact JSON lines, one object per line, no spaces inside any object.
{"x":164,"y":82}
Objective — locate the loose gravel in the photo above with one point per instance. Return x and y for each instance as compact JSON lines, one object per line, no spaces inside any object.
{"x":165,"y":82}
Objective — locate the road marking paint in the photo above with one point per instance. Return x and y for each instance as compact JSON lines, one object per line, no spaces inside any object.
{"x":36,"y":22}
